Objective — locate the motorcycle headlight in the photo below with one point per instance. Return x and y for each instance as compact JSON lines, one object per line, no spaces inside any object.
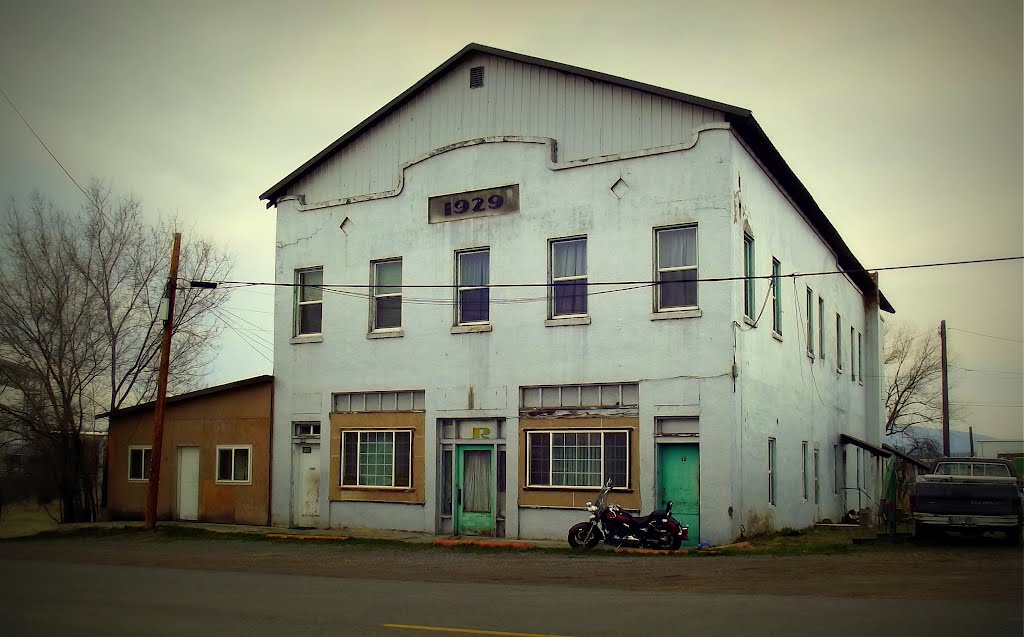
{"x":591,"y":508}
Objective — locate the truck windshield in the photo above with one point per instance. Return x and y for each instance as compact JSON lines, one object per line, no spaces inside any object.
{"x":972,"y":469}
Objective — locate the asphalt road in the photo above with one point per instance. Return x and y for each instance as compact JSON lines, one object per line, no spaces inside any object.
{"x":47,"y":598}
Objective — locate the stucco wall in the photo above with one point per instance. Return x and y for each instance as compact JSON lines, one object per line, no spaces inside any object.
{"x":682,"y":365}
{"x":783,"y":392}
{"x":235,"y":417}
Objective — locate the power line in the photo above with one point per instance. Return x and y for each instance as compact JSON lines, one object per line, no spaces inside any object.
{"x":46,"y":148}
{"x":226,"y":284}
{"x":998,"y":338}
{"x":984,"y":405}
{"x":987,"y":371}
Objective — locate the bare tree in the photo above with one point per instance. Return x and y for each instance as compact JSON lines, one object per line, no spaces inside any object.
{"x":913,"y":367}
{"x":79,"y":323}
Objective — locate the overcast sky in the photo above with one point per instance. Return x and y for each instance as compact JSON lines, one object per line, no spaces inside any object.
{"x":903,"y":119}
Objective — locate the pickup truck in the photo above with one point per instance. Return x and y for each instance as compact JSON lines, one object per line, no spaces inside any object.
{"x":969,"y":495}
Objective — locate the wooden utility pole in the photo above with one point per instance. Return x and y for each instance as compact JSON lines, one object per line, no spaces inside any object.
{"x":161,"y":388}
{"x":945,"y":391}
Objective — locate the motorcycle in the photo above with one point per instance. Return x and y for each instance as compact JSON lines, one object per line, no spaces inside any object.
{"x":617,"y":527}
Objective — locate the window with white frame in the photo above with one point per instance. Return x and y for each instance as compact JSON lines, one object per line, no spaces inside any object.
{"x":821,"y":328}
{"x":853,"y":354}
{"x":810,"y":322}
{"x":139,"y":459}
{"x":771,"y":471}
{"x":860,"y":358}
{"x":307,"y":429}
{"x":777,"y":296}
{"x":472,"y":277}
{"x":835,"y":469}
{"x":309,"y":297}
{"x":376,"y":458}
{"x":568,"y":292}
{"x":748,"y":271}
{"x":676,"y":265}
{"x":578,"y":458}
{"x":234,"y":463}
{"x":839,"y":343}
{"x":386,"y":301}
{"x":803,"y":468}
{"x":817,"y":479}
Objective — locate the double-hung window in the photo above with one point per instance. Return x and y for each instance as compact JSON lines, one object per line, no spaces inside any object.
{"x":821,"y":328}
{"x":568,"y":292}
{"x":853,"y":354}
{"x":777,"y":296}
{"x":803,"y":468}
{"x":810,"y":323}
{"x":386,"y":308}
{"x":578,"y":458}
{"x":860,"y":358}
{"x":139,"y":459}
{"x":748,"y":272}
{"x":473,"y":297}
{"x":771,"y":471}
{"x":234,"y":463}
{"x":376,"y":458}
{"x":309,"y":301}
{"x":817,"y":479}
{"x":839,"y":343}
{"x":676,"y":264}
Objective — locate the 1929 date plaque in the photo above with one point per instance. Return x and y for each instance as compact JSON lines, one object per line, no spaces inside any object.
{"x":476,"y":203}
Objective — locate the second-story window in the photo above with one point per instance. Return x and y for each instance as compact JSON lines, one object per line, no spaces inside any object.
{"x":748,"y":272}
{"x":776,"y":296}
{"x":386,"y":306}
{"x":821,"y":328}
{"x":839,"y":343}
{"x":472,"y":276}
{"x":309,"y":297}
{"x":568,"y":292}
{"x":676,"y":262}
{"x":810,"y":323}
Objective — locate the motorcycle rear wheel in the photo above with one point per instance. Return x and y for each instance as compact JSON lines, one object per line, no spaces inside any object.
{"x":578,"y":536}
{"x":666,"y":541}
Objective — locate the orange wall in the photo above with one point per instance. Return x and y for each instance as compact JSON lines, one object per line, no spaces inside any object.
{"x":232,"y":417}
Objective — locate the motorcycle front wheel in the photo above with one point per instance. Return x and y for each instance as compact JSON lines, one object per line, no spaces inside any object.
{"x":578,"y":536}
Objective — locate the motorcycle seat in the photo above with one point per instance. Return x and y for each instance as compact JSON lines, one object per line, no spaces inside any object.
{"x":642,"y":520}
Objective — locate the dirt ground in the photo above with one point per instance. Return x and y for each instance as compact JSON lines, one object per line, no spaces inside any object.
{"x":955,"y":570}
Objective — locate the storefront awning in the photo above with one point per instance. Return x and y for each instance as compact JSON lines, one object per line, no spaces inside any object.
{"x":846,"y":439}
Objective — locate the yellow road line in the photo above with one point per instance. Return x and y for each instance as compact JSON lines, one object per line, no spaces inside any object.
{"x":467,"y":631}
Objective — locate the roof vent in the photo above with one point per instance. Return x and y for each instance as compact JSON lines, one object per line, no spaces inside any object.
{"x":476,"y":77}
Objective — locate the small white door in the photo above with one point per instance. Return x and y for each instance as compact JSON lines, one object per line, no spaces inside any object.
{"x":188,"y":483}
{"x":306,"y":486}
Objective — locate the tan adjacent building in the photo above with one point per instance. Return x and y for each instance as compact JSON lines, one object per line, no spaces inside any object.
{"x":215,"y":463}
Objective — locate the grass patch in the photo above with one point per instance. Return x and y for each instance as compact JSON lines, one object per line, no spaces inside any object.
{"x":21,"y":519}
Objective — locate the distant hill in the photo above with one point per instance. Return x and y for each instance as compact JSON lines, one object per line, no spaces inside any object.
{"x":959,"y":441}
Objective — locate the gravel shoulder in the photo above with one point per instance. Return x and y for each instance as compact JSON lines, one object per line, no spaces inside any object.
{"x":953,"y":572}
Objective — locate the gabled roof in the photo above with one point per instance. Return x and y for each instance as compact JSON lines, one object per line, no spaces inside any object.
{"x":741,"y":120}
{"x":199,"y":393}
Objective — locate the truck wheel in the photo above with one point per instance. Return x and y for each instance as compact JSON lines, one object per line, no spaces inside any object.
{"x":1013,"y":538}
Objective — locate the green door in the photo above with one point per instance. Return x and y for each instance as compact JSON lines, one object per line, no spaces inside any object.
{"x":679,"y":481}
{"x":475,"y":490}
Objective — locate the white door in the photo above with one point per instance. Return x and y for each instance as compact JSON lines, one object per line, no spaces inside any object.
{"x":188,"y":483}
{"x":306,"y":486}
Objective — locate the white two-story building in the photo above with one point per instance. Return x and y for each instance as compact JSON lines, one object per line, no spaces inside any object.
{"x":520,"y":279}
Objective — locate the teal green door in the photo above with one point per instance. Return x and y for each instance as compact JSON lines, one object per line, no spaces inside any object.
{"x":679,"y":481}
{"x":475,"y":490}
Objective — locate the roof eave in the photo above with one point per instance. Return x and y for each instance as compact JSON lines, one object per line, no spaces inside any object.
{"x":751,"y":132}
